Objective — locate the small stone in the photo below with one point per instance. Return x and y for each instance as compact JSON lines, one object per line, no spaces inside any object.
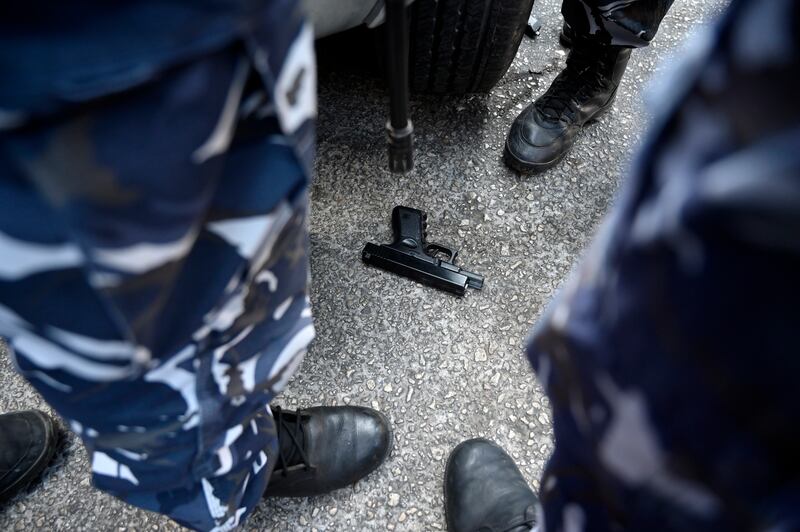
{"x":394,"y":499}
{"x":370,"y":384}
{"x":315,"y":512}
{"x":333,"y":511}
{"x":480,"y":355}
{"x":388,"y":388}
{"x":402,"y":517}
{"x":504,"y":250}
{"x":464,"y":222}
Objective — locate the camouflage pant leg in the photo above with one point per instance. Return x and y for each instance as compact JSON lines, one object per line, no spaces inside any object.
{"x":622,"y":23}
{"x":670,"y":357}
{"x":153,"y":282}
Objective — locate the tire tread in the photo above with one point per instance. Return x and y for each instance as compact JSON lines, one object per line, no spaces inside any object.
{"x":460,"y":46}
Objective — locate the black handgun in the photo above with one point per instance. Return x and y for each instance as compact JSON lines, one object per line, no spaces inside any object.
{"x":410,"y":255}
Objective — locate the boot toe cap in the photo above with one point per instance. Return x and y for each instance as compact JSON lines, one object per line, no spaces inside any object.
{"x":484,"y":488}
{"x":535,"y":143}
{"x":372,"y":441}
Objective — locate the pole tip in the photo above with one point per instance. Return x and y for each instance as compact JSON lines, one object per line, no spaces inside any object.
{"x":401,"y":148}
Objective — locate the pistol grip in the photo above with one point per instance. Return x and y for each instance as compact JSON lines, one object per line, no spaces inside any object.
{"x":409,"y":227}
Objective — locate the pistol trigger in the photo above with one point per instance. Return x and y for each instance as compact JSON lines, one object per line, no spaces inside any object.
{"x":436,"y":249}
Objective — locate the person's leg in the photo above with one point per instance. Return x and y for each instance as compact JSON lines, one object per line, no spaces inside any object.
{"x":27,"y":443}
{"x":154,"y":288}
{"x":667,"y":345}
{"x":632,"y":23}
{"x":117,"y":298}
{"x":669,"y":357}
{"x":601,"y":35}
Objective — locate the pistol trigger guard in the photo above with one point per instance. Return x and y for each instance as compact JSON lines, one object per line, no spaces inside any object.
{"x":432,"y":249}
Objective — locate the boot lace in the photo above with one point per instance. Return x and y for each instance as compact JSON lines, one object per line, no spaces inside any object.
{"x":289,"y":426}
{"x":584,"y":76}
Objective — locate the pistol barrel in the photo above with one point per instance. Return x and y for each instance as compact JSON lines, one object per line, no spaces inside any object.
{"x":437,"y":276}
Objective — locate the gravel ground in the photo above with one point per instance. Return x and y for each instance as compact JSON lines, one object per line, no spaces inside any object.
{"x":442,"y":368}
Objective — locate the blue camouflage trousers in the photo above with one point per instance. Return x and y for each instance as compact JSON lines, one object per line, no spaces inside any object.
{"x":154,"y":274}
{"x":670,"y":358}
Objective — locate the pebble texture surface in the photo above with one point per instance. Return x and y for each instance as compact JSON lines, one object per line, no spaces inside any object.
{"x":442,"y":368}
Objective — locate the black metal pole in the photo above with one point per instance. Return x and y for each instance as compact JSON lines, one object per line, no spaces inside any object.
{"x":399,"y":127}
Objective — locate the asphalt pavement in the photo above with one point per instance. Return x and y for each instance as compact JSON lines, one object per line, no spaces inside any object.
{"x":442,"y":368}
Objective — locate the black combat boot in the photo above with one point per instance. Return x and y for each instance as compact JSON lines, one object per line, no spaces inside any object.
{"x":326,"y":448}
{"x":484,"y":491}
{"x":544,"y":132}
{"x":27,"y":443}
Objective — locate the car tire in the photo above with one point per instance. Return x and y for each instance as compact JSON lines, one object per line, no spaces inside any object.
{"x":461,"y":46}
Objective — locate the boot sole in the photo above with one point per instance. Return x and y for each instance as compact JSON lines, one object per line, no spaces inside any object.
{"x":525,"y":167}
{"x":41,"y":462}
